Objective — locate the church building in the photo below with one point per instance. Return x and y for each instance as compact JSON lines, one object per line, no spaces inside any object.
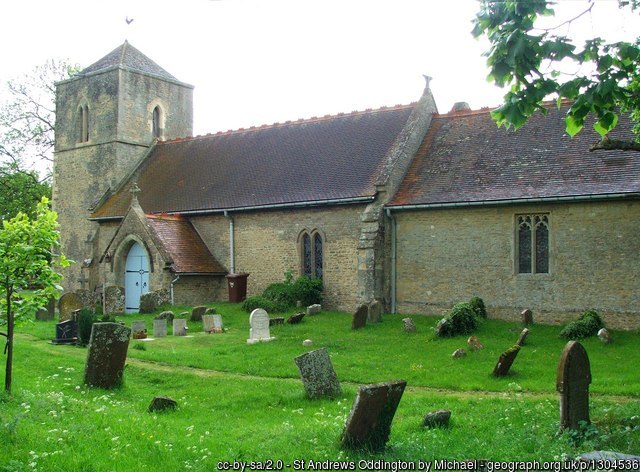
{"x":402,"y":204}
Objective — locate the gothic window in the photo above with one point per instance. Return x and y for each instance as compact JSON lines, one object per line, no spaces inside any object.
{"x":532,"y":244}
{"x":311,"y":247}
{"x":83,"y":123}
{"x":157,"y":122}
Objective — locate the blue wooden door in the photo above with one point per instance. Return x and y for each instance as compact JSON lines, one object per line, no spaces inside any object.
{"x":136,"y":277}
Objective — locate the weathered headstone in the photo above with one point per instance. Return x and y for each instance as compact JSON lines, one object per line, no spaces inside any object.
{"x":369,"y":423}
{"x":148,"y":302}
{"x":207,"y":323}
{"x":437,"y":419}
{"x":604,"y":336}
{"x":360,"y":317}
{"x":138,"y":330}
{"x":278,"y":320}
{"x":314,"y":309}
{"x":259,"y":322}
{"x":114,"y":299}
{"x":159,"y":328}
{"x":409,"y":325}
{"x":166,"y":315}
{"x":527,"y":317}
{"x":66,"y":332}
{"x":68,"y":303}
{"x":179,"y":327}
{"x":573,"y":379}
{"x":523,"y":336}
{"x":474,"y":343}
{"x":506,"y":361}
{"x":317,"y":373}
{"x":162,"y":404}
{"x":458,"y":353}
{"x":87,"y":298}
{"x":197,"y":313}
{"x":106,"y":355}
{"x":296,"y":318}
{"x":375,"y":312}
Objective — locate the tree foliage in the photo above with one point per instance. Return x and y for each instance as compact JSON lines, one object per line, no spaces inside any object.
{"x":21,"y":192}
{"x":528,"y":60}
{"x":27,"y":269}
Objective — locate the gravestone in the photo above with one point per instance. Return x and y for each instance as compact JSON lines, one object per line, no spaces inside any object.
{"x":506,"y":361}
{"x":369,"y":423}
{"x":314,"y":309}
{"x":604,"y":336}
{"x":114,"y":299}
{"x":437,"y":419}
{"x":573,"y":379}
{"x":138,"y":330}
{"x":159,"y":328}
{"x":68,"y":303}
{"x":197,"y":313}
{"x":162,"y":404}
{"x":180,"y":327}
{"x":106,"y":355}
{"x":527,"y":317}
{"x":166,"y":315}
{"x":474,"y":343}
{"x":360,"y":317}
{"x":317,"y":373}
{"x":296,"y":318}
{"x":278,"y":320}
{"x":259,"y":331}
{"x":66,"y":332}
{"x":458,"y":353}
{"x":87,"y":298}
{"x":212,"y":323}
{"x":375,"y":312}
{"x":409,"y":325}
{"x":523,"y":336}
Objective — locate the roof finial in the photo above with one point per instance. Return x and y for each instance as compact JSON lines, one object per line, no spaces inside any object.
{"x":427,"y":79}
{"x":135,"y":191}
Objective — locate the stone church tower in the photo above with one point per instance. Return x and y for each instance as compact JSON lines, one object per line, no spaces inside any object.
{"x":107,"y":117}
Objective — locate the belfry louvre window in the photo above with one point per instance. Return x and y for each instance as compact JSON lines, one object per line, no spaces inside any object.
{"x":311,"y":247}
{"x":532,"y":244}
{"x":83,"y":124}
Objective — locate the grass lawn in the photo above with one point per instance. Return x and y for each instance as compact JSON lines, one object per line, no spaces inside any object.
{"x":246,"y":403}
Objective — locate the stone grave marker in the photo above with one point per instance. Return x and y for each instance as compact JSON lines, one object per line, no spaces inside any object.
{"x":114,"y":299}
{"x":375,"y":312}
{"x":166,"y":315}
{"x":314,"y":309}
{"x":106,"y":355}
{"x":458,"y":353}
{"x":360,"y":317}
{"x":197,"y":313}
{"x":159,"y":328}
{"x":138,"y":330}
{"x":409,"y":325}
{"x":523,"y":336}
{"x":180,"y":327}
{"x":259,"y":331}
{"x":68,"y":303}
{"x":207,"y":323}
{"x":527,"y":317}
{"x":506,"y":361}
{"x":217,"y":324}
{"x":437,"y":419}
{"x":162,"y":404}
{"x":573,"y":379}
{"x":604,"y":336}
{"x":296,"y":318}
{"x":307,"y":343}
{"x":474,"y":343}
{"x":369,"y":423}
{"x":66,"y":332}
{"x":317,"y":373}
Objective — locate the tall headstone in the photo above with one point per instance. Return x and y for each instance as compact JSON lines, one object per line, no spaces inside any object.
{"x":159,"y":328}
{"x":317,"y":373}
{"x":359,"y":319}
{"x":106,"y":355}
{"x":179,"y":327}
{"x":114,"y":299}
{"x":369,"y":422}
{"x":375,"y":312}
{"x":506,"y":361}
{"x":573,"y":379}
{"x":68,"y":303}
{"x":259,"y":322}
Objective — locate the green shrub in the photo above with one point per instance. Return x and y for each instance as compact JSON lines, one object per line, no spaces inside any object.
{"x":286,"y":294}
{"x":258,"y":301}
{"x":86,"y":318}
{"x":460,"y":320}
{"x":586,"y":326}
{"x":308,"y":290}
{"x":477,"y":305}
{"x":281,"y":293}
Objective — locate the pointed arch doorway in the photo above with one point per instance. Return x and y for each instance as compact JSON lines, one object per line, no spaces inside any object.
{"x":136,"y":277}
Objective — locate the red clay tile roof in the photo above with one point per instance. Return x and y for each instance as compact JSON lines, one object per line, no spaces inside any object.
{"x":182,"y":242}
{"x":322,"y":159}
{"x":465,"y":158}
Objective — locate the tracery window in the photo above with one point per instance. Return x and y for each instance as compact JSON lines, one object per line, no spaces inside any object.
{"x":532,"y":244}
{"x":311,"y":253}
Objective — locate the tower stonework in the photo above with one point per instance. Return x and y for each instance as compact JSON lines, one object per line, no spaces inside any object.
{"x":107,"y":117}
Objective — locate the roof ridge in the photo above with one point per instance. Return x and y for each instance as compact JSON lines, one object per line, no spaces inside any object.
{"x":299,"y":121}
{"x":546,"y":104}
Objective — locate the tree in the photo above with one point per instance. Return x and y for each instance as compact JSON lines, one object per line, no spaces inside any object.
{"x":531,"y":61}
{"x":21,"y":192}
{"x":27,"y":273}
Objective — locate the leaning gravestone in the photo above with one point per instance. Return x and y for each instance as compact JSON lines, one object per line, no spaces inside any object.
{"x":296,"y":318}
{"x":317,"y":373}
{"x":369,"y":422}
{"x":197,"y":312}
{"x":409,"y":325}
{"x":107,"y":354}
{"x":360,"y":317}
{"x":68,"y":303}
{"x":523,"y":336}
{"x":573,"y":379}
{"x":114,"y":299}
{"x":159,"y":328}
{"x":506,"y":361}
{"x":375,"y":312}
{"x":179,"y":327}
{"x":259,"y":331}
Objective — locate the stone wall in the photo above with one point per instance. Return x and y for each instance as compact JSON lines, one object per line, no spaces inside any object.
{"x":449,"y":255}
{"x":195,"y":290}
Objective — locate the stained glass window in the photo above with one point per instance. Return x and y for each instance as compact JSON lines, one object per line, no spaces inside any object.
{"x":542,"y":244}
{"x":311,"y":253}
{"x":306,"y":255}
{"x":533,"y":244}
{"x":317,"y":252}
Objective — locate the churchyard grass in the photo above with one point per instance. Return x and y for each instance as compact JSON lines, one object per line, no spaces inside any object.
{"x":246,"y":402}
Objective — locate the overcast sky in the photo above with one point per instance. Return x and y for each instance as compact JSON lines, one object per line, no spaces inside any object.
{"x":261,"y":61}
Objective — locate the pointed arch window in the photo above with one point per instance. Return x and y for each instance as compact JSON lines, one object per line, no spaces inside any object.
{"x":157,"y":122}
{"x":83,"y":123}
{"x":532,"y":244}
{"x":311,"y":254}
